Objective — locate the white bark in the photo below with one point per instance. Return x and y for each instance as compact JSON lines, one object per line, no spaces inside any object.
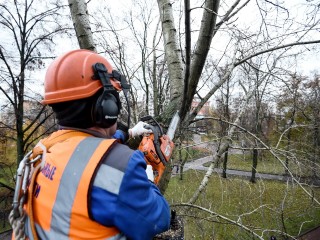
{"x":207,"y":31}
{"x":172,"y":50}
{"x":81,"y":23}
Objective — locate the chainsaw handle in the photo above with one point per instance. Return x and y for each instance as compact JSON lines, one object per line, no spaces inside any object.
{"x":157,"y":143}
{"x":152,"y":122}
{"x":146,"y":118}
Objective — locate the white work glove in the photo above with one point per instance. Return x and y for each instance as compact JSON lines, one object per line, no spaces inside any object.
{"x":139,"y":129}
{"x":149,"y":172}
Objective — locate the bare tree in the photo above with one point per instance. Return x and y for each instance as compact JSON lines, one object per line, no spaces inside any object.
{"x":223,"y":109}
{"x":28,"y":29}
{"x":143,"y":64}
{"x":314,"y":100}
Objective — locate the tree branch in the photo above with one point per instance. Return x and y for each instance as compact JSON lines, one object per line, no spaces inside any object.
{"x":276,"y":48}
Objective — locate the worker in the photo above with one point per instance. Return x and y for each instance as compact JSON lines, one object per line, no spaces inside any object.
{"x":90,"y":185}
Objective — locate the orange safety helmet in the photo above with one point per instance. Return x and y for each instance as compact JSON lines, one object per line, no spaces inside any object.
{"x":70,"y":77}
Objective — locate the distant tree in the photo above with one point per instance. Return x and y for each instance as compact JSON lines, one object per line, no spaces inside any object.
{"x":223,"y":110}
{"x":290,"y":106}
{"x":28,"y":30}
{"x":313,"y":103}
{"x":260,"y":81}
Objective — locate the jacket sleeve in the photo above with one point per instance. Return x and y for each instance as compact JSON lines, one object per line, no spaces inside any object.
{"x":137,"y":208}
{"x":121,"y":136}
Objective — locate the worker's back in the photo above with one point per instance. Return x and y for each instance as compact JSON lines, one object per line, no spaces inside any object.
{"x":59,"y":204}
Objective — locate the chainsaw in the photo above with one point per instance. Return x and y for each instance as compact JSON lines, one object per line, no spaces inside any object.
{"x":156,"y":146}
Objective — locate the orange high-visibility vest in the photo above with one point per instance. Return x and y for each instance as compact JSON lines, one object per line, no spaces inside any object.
{"x":61,"y":193}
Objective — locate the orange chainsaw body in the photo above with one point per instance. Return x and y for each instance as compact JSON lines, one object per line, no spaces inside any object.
{"x":156,"y":146}
{"x":158,"y":163}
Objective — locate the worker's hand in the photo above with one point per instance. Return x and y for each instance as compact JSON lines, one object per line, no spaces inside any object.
{"x":149,"y":172}
{"x":139,"y":129}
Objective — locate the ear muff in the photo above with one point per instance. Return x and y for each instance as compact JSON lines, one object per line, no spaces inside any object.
{"x":107,"y":107}
{"x":106,"y":110}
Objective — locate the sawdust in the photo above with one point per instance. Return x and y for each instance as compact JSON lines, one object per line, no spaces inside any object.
{"x":176,"y":231}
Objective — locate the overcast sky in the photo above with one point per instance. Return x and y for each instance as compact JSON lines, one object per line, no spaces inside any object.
{"x":306,"y":63}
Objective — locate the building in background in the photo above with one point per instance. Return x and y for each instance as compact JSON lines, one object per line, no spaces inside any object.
{"x":200,"y":126}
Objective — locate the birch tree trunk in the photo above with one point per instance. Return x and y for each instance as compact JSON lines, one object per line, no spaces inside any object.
{"x":81,"y":23}
{"x":175,"y":66}
{"x":173,"y":54}
{"x":207,"y":30}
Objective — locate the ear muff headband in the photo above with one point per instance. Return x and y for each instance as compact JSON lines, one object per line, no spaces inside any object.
{"x":107,"y":107}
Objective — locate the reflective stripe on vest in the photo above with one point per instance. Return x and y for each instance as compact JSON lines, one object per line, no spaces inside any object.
{"x":60,"y":205}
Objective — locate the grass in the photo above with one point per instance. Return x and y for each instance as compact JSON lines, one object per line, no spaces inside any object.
{"x":299,"y":165}
{"x":265,"y":165}
{"x":192,"y":153}
{"x":265,"y":205}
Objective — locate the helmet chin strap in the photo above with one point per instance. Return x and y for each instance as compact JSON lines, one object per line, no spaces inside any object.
{"x":125,"y":87}
{"x":125,"y":92}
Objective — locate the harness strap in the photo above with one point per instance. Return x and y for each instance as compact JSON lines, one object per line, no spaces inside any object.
{"x":30,"y":199}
